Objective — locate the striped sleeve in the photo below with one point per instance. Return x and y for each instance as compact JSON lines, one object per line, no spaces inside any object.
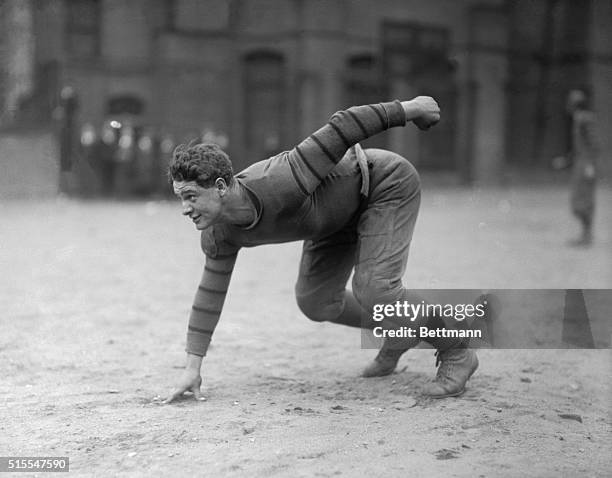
{"x":208,"y":303}
{"x":317,"y":155}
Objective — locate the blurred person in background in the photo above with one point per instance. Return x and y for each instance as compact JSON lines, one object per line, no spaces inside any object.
{"x":585,"y":157}
{"x":65,"y":114}
{"x":144,"y":164}
{"x":125,"y":174}
{"x":87,"y":167}
{"x":67,"y":136}
{"x":106,"y":149}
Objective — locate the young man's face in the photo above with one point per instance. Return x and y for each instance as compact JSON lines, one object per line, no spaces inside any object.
{"x":202,"y":205}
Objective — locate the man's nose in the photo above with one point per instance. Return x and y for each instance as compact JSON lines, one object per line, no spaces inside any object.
{"x":187,"y":210}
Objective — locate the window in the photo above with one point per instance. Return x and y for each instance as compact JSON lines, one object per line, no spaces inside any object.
{"x":415,"y":57}
{"x":83,"y":27}
{"x":170,"y":11}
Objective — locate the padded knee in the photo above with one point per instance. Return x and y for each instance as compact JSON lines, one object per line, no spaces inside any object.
{"x":312,"y":307}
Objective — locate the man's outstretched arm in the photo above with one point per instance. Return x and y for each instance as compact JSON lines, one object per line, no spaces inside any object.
{"x":317,"y":155}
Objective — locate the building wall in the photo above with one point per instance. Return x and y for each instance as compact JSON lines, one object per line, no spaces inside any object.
{"x":190,"y":73}
{"x":190,"y":62}
{"x":601,"y":74}
{"x":16,"y":57}
{"x":556,"y":46}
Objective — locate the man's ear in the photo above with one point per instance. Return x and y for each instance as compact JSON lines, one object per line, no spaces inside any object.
{"x":221,"y":186}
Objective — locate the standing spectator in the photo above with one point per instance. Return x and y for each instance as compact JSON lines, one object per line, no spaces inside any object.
{"x":66,"y":113}
{"x":125,"y":156}
{"x":106,"y":149}
{"x":585,"y":154}
{"x":65,"y":116}
{"x":165,"y":148}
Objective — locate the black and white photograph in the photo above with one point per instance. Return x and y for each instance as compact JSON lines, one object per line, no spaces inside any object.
{"x":306,"y":238}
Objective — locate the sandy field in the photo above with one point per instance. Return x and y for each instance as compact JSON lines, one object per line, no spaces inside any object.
{"x":94,"y":301}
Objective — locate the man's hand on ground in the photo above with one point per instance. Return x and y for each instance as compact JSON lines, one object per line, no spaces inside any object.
{"x":190,"y":381}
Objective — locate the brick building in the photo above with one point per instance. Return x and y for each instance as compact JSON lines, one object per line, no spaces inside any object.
{"x":262,"y":74}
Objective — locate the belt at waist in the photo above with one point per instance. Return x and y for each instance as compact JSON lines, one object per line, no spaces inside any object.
{"x":362,"y":160}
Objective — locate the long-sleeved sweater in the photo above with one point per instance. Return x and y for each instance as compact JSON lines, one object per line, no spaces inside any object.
{"x":308,"y":192}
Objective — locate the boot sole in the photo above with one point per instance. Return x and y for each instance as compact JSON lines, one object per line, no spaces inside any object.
{"x":383,"y":374}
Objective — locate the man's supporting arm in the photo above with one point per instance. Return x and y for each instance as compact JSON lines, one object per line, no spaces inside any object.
{"x":205,"y":314}
{"x":208,"y":303}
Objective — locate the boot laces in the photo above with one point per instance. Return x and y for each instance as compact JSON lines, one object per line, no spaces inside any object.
{"x":445,"y":366}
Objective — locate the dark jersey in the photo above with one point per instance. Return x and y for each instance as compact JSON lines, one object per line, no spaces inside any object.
{"x":309,"y":192}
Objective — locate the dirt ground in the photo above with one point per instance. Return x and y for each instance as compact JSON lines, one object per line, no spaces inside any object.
{"x":95,"y":298}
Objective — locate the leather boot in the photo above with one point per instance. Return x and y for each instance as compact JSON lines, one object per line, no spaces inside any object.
{"x":384,"y":363}
{"x":456,"y":367}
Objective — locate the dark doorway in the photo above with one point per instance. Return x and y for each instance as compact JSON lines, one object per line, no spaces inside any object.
{"x":416,"y":57}
{"x":264,"y":93}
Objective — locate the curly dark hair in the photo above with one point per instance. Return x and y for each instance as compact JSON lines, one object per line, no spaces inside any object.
{"x":202,"y":163}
